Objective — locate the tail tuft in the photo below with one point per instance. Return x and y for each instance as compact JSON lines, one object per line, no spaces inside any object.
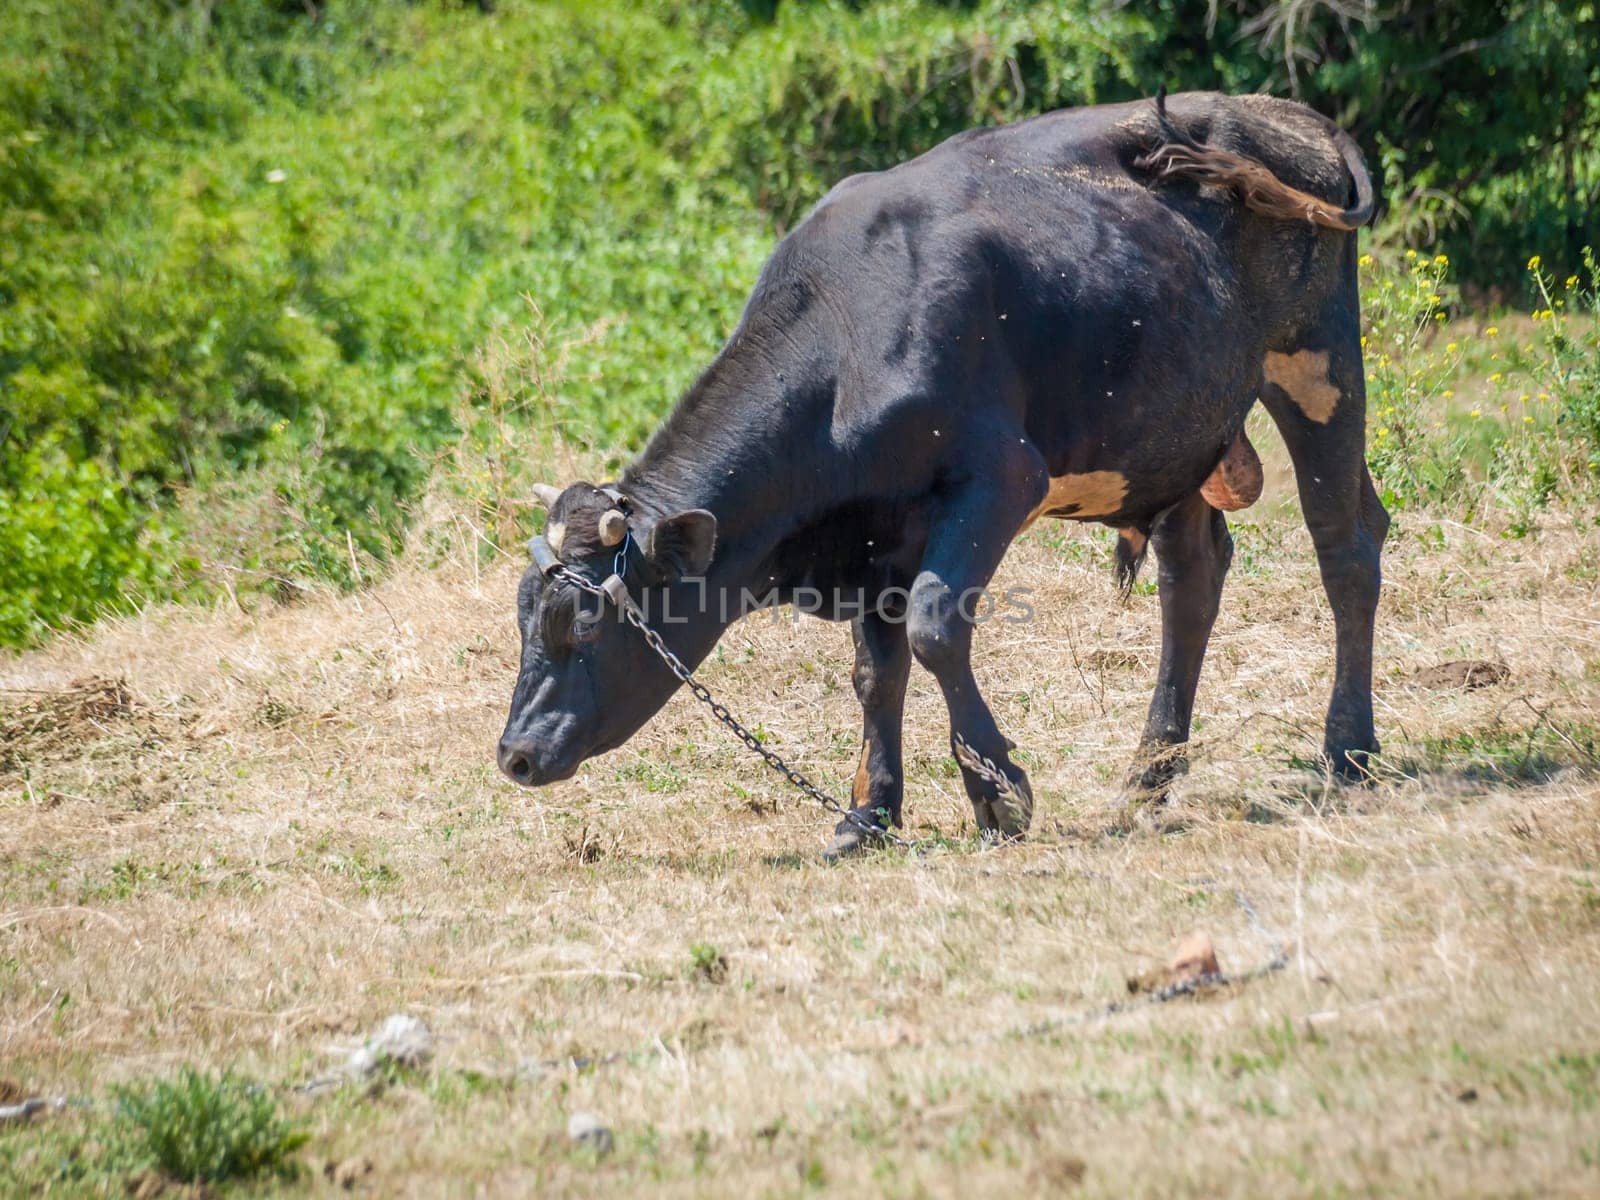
{"x":1179,"y":156}
{"x":1132,"y":546}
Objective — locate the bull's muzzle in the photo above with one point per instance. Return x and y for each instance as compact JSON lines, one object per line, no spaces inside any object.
{"x":522,"y":762}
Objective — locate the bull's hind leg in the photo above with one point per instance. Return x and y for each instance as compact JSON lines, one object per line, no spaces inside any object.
{"x":1317,"y":396}
{"x":1193,"y":551}
{"x":883,"y":665}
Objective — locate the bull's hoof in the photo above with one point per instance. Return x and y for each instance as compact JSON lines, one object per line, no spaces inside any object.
{"x":1150,"y":781}
{"x":1351,"y":765}
{"x":1139,"y":794}
{"x":1002,"y":805}
{"x":1006,"y":816}
{"x":851,"y":841}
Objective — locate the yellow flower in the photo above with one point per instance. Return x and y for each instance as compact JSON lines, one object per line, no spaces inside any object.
{"x":1448,"y":392}
{"x":1451,"y":347}
{"x":1476,"y":413}
{"x":1491,"y":331}
{"x":1438,"y":316}
{"x":1411,"y":253}
{"x":1496,"y":377}
{"x":1523,"y":399}
{"x":1572,"y":282}
{"x":1544,"y":395}
{"x":1442,"y":259}
{"x":1383,"y":433}
{"x":1527,"y":420}
{"x":1364,"y":261}
{"x":1533,"y":263}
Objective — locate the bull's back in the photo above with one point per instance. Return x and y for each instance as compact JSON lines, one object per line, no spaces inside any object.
{"x":1036,"y":267}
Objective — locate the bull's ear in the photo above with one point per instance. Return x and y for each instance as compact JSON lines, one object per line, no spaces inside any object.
{"x":682,"y":544}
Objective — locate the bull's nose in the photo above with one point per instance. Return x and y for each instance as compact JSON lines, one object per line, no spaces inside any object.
{"x":516,"y":761}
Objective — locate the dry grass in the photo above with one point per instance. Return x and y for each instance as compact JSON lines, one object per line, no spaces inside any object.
{"x":293,"y":827}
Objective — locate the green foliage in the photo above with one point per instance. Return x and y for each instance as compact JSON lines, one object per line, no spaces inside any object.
{"x":198,"y":1127}
{"x":1482,"y":113}
{"x":252,"y":255}
{"x":1567,"y":364}
{"x":68,"y":541}
{"x":1525,"y":431}
{"x":1411,"y":452}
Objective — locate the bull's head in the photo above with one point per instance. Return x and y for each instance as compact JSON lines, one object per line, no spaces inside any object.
{"x":587,"y":681}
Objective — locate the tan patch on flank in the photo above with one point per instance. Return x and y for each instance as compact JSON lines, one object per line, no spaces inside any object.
{"x":1091,"y":494}
{"x":1236,"y":481}
{"x":556,"y":534}
{"x":1135,"y":539}
{"x":1303,"y":375}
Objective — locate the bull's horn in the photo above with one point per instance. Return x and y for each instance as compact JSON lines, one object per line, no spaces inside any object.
{"x":613,"y":527}
{"x":546,"y":495}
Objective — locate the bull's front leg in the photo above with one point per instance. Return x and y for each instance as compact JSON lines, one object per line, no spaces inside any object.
{"x":883,"y":665}
{"x":975,"y":526}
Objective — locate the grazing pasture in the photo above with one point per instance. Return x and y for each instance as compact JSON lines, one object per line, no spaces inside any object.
{"x":244,"y":840}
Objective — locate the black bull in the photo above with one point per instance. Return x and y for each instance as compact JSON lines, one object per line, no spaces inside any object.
{"x":1069,"y":317}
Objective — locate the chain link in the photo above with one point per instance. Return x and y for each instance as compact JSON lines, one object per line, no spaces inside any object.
{"x":635,"y":617}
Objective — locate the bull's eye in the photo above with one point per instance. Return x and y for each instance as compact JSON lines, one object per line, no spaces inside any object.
{"x":568,"y":618}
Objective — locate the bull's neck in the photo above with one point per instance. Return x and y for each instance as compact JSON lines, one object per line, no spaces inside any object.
{"x":738,"y":446}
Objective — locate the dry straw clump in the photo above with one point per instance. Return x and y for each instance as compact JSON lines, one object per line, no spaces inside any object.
{"x":289,"y":826}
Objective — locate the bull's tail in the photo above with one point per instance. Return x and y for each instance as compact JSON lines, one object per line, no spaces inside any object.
{"x":1180,"y":156}
{"x":1133,"y":544}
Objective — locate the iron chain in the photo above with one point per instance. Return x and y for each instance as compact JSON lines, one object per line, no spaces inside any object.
{"x":635,"y":617}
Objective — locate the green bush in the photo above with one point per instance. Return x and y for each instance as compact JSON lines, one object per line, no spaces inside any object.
{"x":205,"y":1128}
{"x":250,"y":253}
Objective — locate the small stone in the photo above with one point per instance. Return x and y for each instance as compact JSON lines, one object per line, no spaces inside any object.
{"x":402,"y":1040}
{"x":586,"y":1129}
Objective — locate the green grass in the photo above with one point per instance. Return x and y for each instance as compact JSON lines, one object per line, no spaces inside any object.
{"x":193,"y":1127}
{"x":197,"y":1127}
{"x":1507,"y":753}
